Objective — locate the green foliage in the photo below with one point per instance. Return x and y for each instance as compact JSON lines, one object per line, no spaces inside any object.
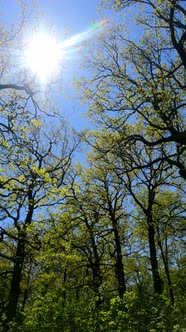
{"x":81,"y":246}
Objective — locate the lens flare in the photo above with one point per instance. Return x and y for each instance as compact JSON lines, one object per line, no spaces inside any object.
{"x":83,"y":36}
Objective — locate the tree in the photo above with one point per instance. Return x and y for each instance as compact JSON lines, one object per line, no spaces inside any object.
{"x":143,"y":82}
{"x":34,"y":167}
{"x":109,"y":198}
{"x":169,"y":215}
{"x":108,"y":211}
{"x":35,"y":162}
{"x":170,"y":12}
{"x":146,"y":182}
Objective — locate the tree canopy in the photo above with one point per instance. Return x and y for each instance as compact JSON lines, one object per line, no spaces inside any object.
{"x":98,"y":244}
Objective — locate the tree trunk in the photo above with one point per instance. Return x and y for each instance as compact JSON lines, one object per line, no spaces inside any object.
{"x":153,"y":257}
{"x":166,"y":268}
{"x":119,"y":264}
{"x":97,"y":278}
{"x":95,"y":265}
{"x":15,"y":291}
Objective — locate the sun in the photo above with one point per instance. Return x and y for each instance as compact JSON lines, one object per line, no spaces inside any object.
{"x":43,"y":56}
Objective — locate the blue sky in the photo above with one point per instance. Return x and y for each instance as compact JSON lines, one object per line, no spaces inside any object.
{"x":74,"y":15}
{"x":71,"y":16}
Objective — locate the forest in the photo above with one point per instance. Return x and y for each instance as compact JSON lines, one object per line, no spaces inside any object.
{"x":92,"y":222}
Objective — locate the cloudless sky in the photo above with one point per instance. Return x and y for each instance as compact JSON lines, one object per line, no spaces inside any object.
{"x":71,"y":16}
{"x":75,"y":15}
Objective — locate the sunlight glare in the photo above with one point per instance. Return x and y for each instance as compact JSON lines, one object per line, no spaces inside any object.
{"x":43,"y":56}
